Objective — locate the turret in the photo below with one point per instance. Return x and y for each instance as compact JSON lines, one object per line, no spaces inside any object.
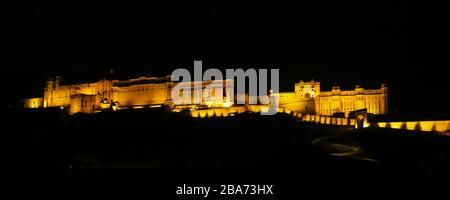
{"x":336,"y":88}
{"x":58,"y":81}
{"x":384,"y":88}
{"x":384,"y":109}
{"x":50,"y":84}
{"x":359,"y":88}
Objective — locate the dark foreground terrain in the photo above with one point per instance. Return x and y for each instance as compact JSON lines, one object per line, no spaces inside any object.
{"x":151,"y":143}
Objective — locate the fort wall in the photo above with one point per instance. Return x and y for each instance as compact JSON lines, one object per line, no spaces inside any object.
{"x":307,"y":97}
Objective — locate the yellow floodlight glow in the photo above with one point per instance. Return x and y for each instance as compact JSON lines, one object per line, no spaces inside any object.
{"x":155,"y":106}
{"x":227,"y":104}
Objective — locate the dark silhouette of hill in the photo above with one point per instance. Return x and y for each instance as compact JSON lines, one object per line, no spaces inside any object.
{"x":154,"y":143}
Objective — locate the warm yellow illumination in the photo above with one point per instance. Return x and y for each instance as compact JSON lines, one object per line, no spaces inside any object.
{"x":104,"y":105}
{"x":438,"y":126}
{"x":33,"y":103}
{"x":227,"y":104}
{"x":155,"y":106}
{"x":147,"y":91}
{"x":202,"y":114}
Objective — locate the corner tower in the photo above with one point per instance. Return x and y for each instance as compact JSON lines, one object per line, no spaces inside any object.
{"x":48,"y":91}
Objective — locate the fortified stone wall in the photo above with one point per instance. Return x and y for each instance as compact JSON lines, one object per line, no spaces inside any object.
{"x":145,"y":91}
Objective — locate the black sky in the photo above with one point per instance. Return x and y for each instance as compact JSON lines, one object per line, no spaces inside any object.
{"x":402,"y":44}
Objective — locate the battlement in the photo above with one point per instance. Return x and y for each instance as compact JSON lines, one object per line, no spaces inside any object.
{"x":357,"y":91}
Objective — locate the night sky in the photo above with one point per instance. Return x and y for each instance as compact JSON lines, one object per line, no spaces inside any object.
{"x":401,"y":44}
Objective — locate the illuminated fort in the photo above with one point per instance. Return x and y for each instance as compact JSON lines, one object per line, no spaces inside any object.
{"x":307,"y":98}
{"x":307,"y":102}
